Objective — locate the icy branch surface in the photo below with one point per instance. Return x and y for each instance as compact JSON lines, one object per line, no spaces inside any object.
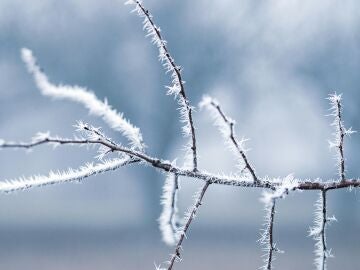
{"x":339,"y":133}
{"x":318,"y":232}
{"x":168,"y":218}
{"x":85,"y":97}
{"x":189,"y":217}
{"x":267,"y":233}
{"x":70,"y":175}
{"x":177,"y":88}
{"x":226,"y":127}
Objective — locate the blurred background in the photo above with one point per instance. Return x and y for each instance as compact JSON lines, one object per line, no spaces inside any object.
{"x":271,"y":64}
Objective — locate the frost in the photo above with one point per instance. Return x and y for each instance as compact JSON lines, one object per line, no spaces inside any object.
{"x":287,"y":184}
{"x":70,"y":175}
{"x":85,"y":97}
{"x":40,"y":136}
{"x":177,"y":87}
{"x":168,"y":217}
{"x":226,"y":127}
{"x":318,"y":232}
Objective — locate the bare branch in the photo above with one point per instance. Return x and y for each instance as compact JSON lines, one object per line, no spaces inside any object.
{"x":191,"y":215}
{"x":178,"y":88}
{"x":213,"y":104}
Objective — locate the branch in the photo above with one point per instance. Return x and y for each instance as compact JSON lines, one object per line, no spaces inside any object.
{"x":62,"y":177}
{"x":167,"y":220}
{"x":319,"y":232}
{"x":88,"y":99}
{"x":267,"y":237}
{"x":228,"y":124}
{"x":191,"y":215}
{"x":178,"y":88}
{"x":340,"y":132}
{"x":166,"y":166}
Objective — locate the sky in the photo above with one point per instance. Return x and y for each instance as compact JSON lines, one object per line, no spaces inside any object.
{"x":271,"y":65}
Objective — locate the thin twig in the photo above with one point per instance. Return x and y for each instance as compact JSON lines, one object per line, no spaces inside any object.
{"x":271,"y":236}
{"x":323,"y":229}
{"x":70,"y":175}
{"x":340,"y":132}
{"x":191,"y":217}
{"x":319,"y":232}
{"x":170,"y":66}
{"x":233,"y":138}
{"x":168,"y":217}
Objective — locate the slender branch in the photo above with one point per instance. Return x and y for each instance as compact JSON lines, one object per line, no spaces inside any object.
{"x":191,"y":217}
{"x":85,"y":97}
{"x":340,"y":132}
{"x":212,"y":178}
{"x":319,"y":232}
{"x":208,"y":101}
{"x":267,"y":236}
{"x":323,"y":232}
{"x":269,"y":233}
{"x":174,"y":203}
{"x":167,"y":220}
{"x":70,"y":175}
{"x":178,"y":87}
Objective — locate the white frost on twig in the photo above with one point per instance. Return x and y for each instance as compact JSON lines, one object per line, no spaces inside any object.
{"x":287,"y":184}
{"x":70,"y":175}
{"x":85,"y":97}
{"x":168,"y":217}
{"x":269,"y":199}
{"x":226,"y":127}
{"x":177,"y":87}
{"x":318,"y":232}
{"x":339,"y":133}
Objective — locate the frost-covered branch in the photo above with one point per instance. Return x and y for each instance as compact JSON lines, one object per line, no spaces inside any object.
{"x":168,"y":218}
{"x":340,"y":132}
{"x":267,"y":237}
{"x":167,"y":166}
{"x":269,"y":199}
{"x":226,"y":127}
{"x":70,"y":175}
{"x":85,"y":97}
{"x":318,"y":232}
{"x":177,"y":89}
{"x":189,"y":218}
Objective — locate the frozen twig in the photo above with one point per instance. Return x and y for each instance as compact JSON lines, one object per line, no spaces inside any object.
{"x":70,"y":175}
{"x":177,"y":88}
{"x":318,"y":232}
{"x":267,"y":235}
{"x":190,"y":217}
{"x":340,"y":132}
{"x":167,"y":166}
{"x":226,"y":127}
{"x":85,"y":97}
{"x":168,"y":217}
